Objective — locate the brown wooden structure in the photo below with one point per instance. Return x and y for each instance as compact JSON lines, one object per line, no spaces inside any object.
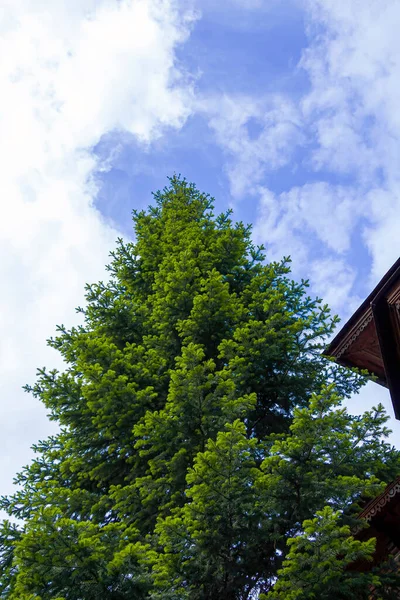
{"x":383,"y":516}
{"x":371,"y":337}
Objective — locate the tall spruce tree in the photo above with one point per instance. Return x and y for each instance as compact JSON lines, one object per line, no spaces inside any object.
{"x":199,"y":425}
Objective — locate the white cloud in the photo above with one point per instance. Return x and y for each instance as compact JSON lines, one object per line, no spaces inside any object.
{"x":69,"y":73}
{"x":313,"y":224}
{"x":249,"y":157}
{"x":382,"y":234}
{"x":333,"y":280}
{"x":354,"y":69}
{"x":327,"y":212}
{"x":346,"y":125}
{"x":274,"y":224}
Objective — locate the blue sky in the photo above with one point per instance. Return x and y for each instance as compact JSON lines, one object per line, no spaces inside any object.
{"x":284,"y":110}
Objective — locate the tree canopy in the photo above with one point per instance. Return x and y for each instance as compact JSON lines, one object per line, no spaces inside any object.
{"x":200,"y":430}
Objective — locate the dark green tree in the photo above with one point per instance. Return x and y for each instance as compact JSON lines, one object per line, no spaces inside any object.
{"x":199,"y":424}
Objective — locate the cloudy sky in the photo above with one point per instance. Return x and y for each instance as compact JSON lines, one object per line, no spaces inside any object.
{"x":285,"y":110}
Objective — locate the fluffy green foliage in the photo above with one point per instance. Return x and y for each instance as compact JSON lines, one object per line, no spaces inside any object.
{"x":199,"y":424}
{"x":317,"y":565}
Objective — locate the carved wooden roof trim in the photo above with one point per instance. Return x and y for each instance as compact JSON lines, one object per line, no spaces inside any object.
{"x":376,"y":505}
{"x":354,"y":333}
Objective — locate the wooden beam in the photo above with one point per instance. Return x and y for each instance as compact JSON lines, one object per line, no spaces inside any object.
{"x":389,"y":349}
